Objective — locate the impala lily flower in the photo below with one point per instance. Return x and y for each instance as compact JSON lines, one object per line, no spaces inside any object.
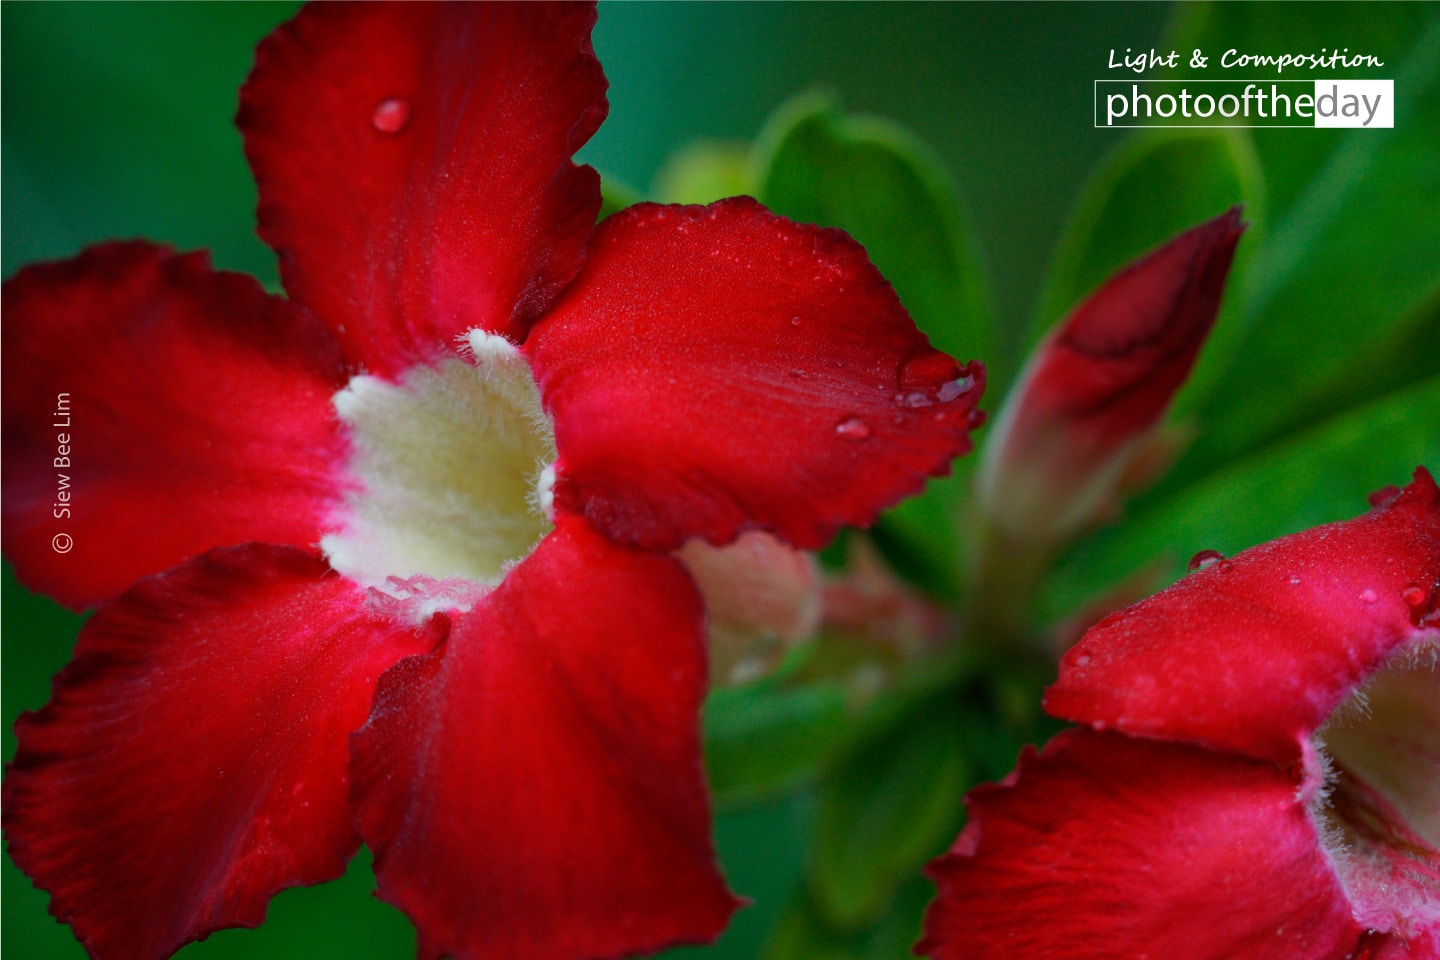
{"x":1259,"y":776}
{"x":430,"y":500}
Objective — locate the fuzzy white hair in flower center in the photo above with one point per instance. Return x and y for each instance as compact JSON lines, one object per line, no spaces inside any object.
{"x":450,"y":468}
{"x":1379,"y":810}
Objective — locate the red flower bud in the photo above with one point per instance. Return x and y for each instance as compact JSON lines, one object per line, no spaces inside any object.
{"x":1094,"y":389}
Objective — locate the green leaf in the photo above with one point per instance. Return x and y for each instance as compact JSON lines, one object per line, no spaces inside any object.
{"x":892,"y":805}
{"x":922,"y":537}
{"x":1319,"y":476}
{"x":803,"y":932}
{"x":1292,"y":158}
{"x":705,"y":172}
{"x":1147,"y":191}
{"x":768,"y":737}
{"x":1349,"y":266}
{"x":778,"y":733}
{"x":875,"y":180}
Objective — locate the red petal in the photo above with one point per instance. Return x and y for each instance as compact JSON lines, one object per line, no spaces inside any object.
{"x":1105,"y":375}
{"x":155,"y":408}
{"x":192,"y":762}
{"x":533,"y":789}
{"x":1107,"y":847}
{"x":719,"y":368}
{"x":1252,"y":653}
{"x":414,"y":166}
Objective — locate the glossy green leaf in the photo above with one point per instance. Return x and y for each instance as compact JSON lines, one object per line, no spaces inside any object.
{"x":1349,"y":264}
{"x":804,"y":933}
{"x":892,"y":805}
{"x":768,"y":737}
{"x":923,"y":537}
{"x":1290,"y":158}
{"x":705,"y":172}
{"x":1319,"y":476}
{"x":876,"y":181}
{"x":778,"y":733}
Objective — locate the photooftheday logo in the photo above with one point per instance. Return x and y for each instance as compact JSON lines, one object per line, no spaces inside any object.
{"x":1245,"y":103}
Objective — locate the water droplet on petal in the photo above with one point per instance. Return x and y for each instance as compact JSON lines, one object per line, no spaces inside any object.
{"x":794,"y":321}
{"x":1414,"y":595}
{"x":799,"y":374}
{"x":1294,"y":581}
{"x":917,"y":399}
{"x":1368,"y":596}
{"x":1083,"y":660}
{"x":955,"y":388}
{"x":391,"y":116}
{"x":853,"y":428}
{"x":1383,"y":496}
{"x":926,"y":371}
{"x":1203,"y":559}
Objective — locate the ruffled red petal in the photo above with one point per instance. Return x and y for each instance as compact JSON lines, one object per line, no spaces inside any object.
{"x":155,"y":408}
{"x":533,"y":789}
{"x":1253,"y":653}
{"x":193,"y":760}
{"x":414,"y":166}
{"x":719,"y":368}
{"x":1063,"y":861}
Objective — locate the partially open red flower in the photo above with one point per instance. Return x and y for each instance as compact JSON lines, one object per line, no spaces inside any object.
{"x":1259,"y":776}
{"x":432,"y":498}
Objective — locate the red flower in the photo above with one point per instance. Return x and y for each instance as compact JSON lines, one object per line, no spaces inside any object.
{"x":1271,"y":787}
{"x":367,"y":501}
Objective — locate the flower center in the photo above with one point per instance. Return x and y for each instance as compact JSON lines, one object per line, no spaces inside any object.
{"x":451,"y":471}
{"x":1381,"y":814}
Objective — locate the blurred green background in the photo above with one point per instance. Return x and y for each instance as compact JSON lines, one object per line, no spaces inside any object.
{"x":117,"y":123}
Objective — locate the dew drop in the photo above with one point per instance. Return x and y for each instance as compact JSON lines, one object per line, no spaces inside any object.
{"x":1294,"y":581}
{"x":955,"y":388}
{"x":794,"y":321}
{"x":391,"y":116}
{"x":799,"y":374}
{"x":1413,"y":595}
{"x":1083,"y":660}
{"x":916,"y":399}
{"x":1383,"y":496}
{"x":853,"y":428}
{"x":926,"y":370}
{"x":1368,"y":596}
{"x":1204,"y":559}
